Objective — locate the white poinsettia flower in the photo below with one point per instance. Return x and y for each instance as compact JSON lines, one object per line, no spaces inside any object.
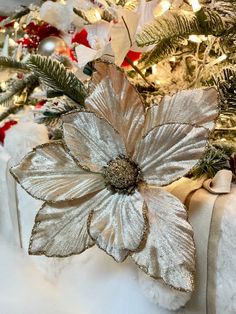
{"x":130,"y":22}
{"x":102,"y":183}
{"x":115,"y":39}
{"x":98,"y":37}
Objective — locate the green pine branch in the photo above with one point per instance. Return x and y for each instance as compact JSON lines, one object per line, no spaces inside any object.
{"x":214,"y":160}
{"x":170,"y":25}
{"x":52,"y":93}
{"x":226,"y":85}
{"x":161,"y":51}
{"x":210,"y":22}
{"x":12,"y":110}
{"x":17,"y":88}
{"x":51,"y":113}
{"x":168,"y":31}
{"x":226,"y":8}
{"x":15,"y":16}
{"x":57,"y":77}
{"x":12,"y":64}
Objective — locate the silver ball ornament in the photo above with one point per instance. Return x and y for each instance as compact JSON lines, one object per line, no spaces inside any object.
{"x":51,"y":45}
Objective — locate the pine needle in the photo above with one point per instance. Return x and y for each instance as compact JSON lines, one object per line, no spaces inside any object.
{"x":17,"y":88}
{"x":169,"y":31}
{"x":215,"y":159}
{"x":12,"y":64}
{"x":226,"y":85}
{"x":57,"y":77}
{"x":51,"y":112}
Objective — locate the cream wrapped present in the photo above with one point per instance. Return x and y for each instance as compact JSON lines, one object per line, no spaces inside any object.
{"x":211,"y":207}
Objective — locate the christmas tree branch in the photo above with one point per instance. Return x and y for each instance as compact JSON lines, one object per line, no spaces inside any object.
{"x":10,"y":63}
{"x":57,"y":77}
{"x":214,"y":159}
{"x":170,"y":30}
{"x":12,"y":110}
{"x":17,"y":88}
{"x":52,"y":111}
{"x":15,"y":16}
{"x":226,"y":85}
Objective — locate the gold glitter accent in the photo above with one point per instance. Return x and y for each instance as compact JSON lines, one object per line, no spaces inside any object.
{"x":122,"y":175}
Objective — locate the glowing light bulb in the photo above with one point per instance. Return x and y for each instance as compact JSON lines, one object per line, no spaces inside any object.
{"x":165,"y":5}
{"x":16,"y":25}
{"x":162,"y":7}
{"x":221,"y":58}
{"x":3,"y":85}
{"x":218,"y":60}
{"x":195,"y":5}
{"x":194,"y":39}
{"x":98,"y":15}
{"x":197,"y":38}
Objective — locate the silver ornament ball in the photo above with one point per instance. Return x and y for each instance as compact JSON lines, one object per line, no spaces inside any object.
{"x":51,"y":45}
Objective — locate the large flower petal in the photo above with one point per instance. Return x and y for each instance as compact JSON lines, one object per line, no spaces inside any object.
{"x":199,"y":106}
{"x":169,"y":151}
{"x":116,"y":100}
{"x":169,"y":252}
{"x":61,"y":229}
{"x":118,"y":224}
{"x":49,"y":173}
{"x":91,"y":140}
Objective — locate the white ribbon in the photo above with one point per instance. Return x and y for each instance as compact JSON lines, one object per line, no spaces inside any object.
{"x":205,"y":215}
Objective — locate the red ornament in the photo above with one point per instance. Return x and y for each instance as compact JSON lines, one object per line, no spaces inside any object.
{"x":42,"y":30}
{"x":28,"y":42}
{"x":132,"y":55}
{"x":37,"y":32}
{"x":5,"y":128}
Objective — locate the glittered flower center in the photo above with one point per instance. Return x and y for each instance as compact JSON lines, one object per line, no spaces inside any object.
{"x":122,"y":175}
